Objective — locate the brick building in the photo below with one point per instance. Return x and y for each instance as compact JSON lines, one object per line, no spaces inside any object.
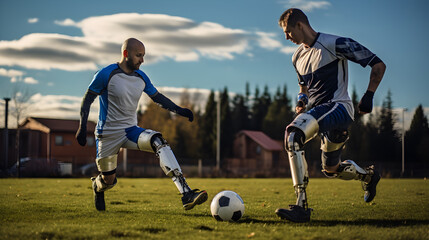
{"x":257,"y":155}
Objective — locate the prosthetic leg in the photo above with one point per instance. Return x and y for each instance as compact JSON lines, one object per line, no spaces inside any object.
{"x":299,"y":132}
{"x":107,"y":166}
{"x":152,"y":141}
{"x":348,"y":169}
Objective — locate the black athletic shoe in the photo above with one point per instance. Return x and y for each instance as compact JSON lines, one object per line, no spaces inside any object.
{"x":100,"y":205}
{"x":194,"y":197}
{"x":295,"y":213}
{"x":370,"y":188}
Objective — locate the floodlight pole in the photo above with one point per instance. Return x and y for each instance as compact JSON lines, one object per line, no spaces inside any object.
{"x":403,"y":141}
{"x":218,"y":134}
{"x":6,"y":133}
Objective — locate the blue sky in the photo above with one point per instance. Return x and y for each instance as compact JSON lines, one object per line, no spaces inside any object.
{"x":53,"y":48}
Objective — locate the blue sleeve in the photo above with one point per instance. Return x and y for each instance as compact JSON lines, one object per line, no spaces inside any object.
{"x":101,"y":79}
{"x":149,"y":88}
{"x":353,"y":51}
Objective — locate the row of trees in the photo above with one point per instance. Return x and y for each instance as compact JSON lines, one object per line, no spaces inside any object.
{"x":373,"y":140}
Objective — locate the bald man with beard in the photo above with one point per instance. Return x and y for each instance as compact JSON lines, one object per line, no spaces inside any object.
{"x":119,"y":87}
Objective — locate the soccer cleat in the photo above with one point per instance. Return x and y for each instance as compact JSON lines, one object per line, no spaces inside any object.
{"x":194,"y":197}
{"x":100,"y":205}
{"x":370,"y":188}
{"x":295,"y":213}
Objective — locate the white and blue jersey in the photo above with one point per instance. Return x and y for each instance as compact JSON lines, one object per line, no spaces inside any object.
{"x":323,"y":68}
{"x":119,"y":95}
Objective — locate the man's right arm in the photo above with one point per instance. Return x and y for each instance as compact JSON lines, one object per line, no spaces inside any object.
{"x":88,"y":99}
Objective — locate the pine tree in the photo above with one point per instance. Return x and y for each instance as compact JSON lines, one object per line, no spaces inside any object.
{"x":357,"y":146}
{"x":226,"y":134}
{"x":207,"y":130}
{"x":416,"y":144}
{"x":387,"y":140}
{"x":278,"y":116}
{"x":186,"y":132}
{"x":260,"y":108}
{"x":239,"y":114}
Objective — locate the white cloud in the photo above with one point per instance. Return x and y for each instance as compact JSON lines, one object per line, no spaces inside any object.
{"x":165,"y":37}
{"x":30,"y":80}
{"x":307,"y":5}
{"x":11,"y":73}
{"x":17,"y":76}
{"x":65,"y":22}
{"x":268,"y":41}
{"x":288,"y":50}
{"x":33,"y":20}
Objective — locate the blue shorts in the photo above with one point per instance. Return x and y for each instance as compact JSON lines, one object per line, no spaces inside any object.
{"x":331,"y":116}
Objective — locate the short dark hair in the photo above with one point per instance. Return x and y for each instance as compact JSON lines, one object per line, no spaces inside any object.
{"x":292,"y":16}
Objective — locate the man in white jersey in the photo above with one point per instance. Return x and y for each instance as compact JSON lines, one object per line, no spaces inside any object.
{"x":324,"y":107}
{"x":119,"y":87}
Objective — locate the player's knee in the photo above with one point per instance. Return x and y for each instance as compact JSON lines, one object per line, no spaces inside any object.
{"x":157,"y":142}
{"x":107,"y":165}
{"x":146,"y":140}
{"x":109,"y":178}
{"x":302,"y":129}
{"x":104,"y":183}
{"x":334,"y":140}
{"x":294,"y":139}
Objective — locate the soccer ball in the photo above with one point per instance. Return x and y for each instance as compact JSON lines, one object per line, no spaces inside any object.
{"x":227,"y":206}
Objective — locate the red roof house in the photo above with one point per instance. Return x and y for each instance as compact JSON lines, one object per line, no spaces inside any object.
{"x":256,"y":154}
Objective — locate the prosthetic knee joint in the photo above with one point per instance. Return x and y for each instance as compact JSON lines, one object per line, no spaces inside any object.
{"x":152,"y":141}
{"x":300,"y":131}
{"x":107,"y":166}
{"x":331,"y":154}
{"x":102,"y":186}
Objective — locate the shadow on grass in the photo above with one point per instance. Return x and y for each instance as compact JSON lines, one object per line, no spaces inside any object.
{"x":371,"y":222}
{"x":359,"y":222}
{"x":254,"y":220}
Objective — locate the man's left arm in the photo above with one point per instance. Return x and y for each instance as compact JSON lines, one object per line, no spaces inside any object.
{"x":351,"y":50}
{"x":377,"y":73}
{"x":166,"y":103}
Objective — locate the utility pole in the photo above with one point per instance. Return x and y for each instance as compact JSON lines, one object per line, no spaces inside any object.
{"x":218,"y":135}
{"x":403,"y":141}
{"x":6,"y":133}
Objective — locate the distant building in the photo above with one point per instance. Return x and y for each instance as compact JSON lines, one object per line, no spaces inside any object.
{"x":50,"y":141}
{"x":257,"y":155}
{"x":55,"y":139}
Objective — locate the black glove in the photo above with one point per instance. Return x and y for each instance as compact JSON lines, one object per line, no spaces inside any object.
{"x":186,"y":113}
{"x":365,"y":104}
{"x":81,"y":136}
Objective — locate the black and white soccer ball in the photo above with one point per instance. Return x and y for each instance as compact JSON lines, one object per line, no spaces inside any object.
{"x":227,"y":206}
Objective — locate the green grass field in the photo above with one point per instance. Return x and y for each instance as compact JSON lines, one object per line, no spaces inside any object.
{"x":151,"y":209}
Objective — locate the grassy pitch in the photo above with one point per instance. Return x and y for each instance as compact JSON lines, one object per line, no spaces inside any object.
{"x":152,"y":209}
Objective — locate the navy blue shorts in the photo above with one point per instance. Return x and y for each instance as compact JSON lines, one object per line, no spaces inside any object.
{"x":331,"y":116}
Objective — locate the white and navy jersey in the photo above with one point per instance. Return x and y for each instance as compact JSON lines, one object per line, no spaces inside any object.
{"x":119,"y":96}
{"x":322,"y":67}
